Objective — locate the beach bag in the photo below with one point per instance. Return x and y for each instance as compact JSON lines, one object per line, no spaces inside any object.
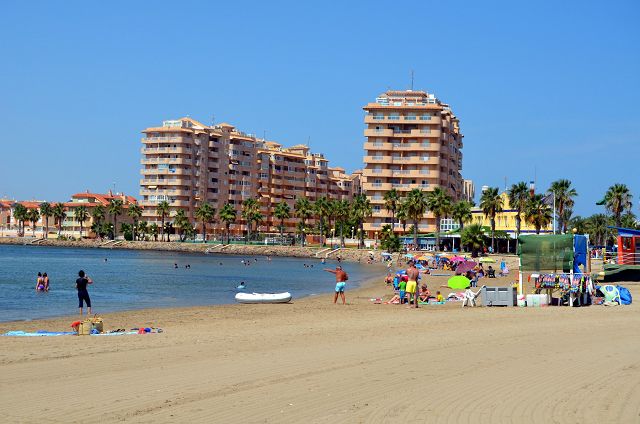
{"x":625,"y":295}
{"x":87,"y":326}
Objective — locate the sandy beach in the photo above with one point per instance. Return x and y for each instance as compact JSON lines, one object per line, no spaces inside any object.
{"x":313,"y":361}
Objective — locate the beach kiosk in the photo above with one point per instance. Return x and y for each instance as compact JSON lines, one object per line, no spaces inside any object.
{"x":555,"y":262}
{"x":626,"y":266}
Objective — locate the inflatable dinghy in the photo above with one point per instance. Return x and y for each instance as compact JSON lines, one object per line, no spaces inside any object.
{"x":263,"y":297}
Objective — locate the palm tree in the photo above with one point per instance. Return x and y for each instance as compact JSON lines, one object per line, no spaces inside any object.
{"x":564,"y":194}
{"x":401,"y":214}
{"x":205,"y":213}
{"x":33,"y":215}
{"x":115,"y":209}
{"x":97,"y":214}
{"x":59,"y":215}
{"x":282,"y":211}
{"x":153,"y":231}
{"x":391,"y":203}
{"x":439,"y":203}
{"x":518,"y":195}
{"x":597,"y":226}
{"x":142,"y":229}
{"x":579,"y":224}
{"x":162,"y":210}
{"x":415,"y":206}
{"x":322,"y":207}
{"x":461,"y":212}
{"x":361,"y":211}
{"x":250,"y":211}
{"x":46,"y":211}
{"x":81,"y":215}
{"x":227,"y":215}
{"x":629,"y":220}
{"x":342,"y":214}
{"x":537,"y":212}
{"x":134,"y":212}
{"x":303,"y":210}
{"x":617,"y":200}
{"x":181,"y":221}
{"x":20,"y":215}
{"x":473,"y":237}
{"x":491,"y":204}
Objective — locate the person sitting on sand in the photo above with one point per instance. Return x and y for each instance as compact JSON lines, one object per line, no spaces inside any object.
{"x":439,"y":297}
{"x":388,"y":279}
{"x":424,"y":293}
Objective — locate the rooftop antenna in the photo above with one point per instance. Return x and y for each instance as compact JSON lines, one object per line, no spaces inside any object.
{"x":309,"y":141}
{"x":412,"y":80}
{"x":213,"y":120}
{"x":264,"y":135}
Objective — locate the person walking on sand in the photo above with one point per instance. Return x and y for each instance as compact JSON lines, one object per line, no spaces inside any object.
{"x":412,"y":285}
{"x":83,"y":294}
{"x":341,"y":282}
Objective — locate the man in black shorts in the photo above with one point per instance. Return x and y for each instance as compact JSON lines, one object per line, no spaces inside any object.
{"x":83,"y":294}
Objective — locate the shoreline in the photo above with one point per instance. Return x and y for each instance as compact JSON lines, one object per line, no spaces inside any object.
{"x":347,"y":254}
{"x":32,"y":324}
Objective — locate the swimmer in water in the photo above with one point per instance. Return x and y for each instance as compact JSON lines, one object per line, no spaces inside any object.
{"x":39,"y":282}
{"x":241,"y":286}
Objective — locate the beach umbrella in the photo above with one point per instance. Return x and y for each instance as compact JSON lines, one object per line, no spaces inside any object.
{"x":465,"y":266}
{"x":458,"y":282}
{"x":487,"y":260}
{"x":385,"y":254}
{"x":457,"y":259}
{"x":408,"y":255}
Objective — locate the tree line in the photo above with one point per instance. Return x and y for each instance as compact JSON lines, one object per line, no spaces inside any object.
{"x":338,"y":216}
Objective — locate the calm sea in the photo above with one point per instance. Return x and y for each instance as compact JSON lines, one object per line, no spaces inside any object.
{"x":131,"y":279}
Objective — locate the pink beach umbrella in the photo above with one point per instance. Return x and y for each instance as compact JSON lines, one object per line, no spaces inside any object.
{"x":457,"y":259}
{"x":465,"y":266}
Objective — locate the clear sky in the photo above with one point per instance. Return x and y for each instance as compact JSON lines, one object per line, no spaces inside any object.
{"x":544,"y":88}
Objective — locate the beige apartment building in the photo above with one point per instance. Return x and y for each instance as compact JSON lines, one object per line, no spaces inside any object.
{"x":187,"y":163}
{"x":412,"y":141}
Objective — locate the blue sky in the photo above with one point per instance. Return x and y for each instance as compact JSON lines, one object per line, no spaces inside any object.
{"x":549,"y":88}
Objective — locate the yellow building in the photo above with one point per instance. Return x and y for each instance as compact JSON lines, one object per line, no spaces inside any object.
{"x":506,"y":220}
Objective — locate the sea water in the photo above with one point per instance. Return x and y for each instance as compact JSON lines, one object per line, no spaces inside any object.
{"x":135,"y":279}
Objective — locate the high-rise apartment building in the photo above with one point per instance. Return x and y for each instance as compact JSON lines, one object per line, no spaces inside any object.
{"x":187,"y":163}
{"x":469,"y":191}
{"x":412,"y":141}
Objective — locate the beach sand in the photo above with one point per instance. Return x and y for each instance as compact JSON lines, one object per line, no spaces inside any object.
{"x":313,"y":361}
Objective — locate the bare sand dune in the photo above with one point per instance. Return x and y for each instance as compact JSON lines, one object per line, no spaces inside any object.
{"x":312,"y":361}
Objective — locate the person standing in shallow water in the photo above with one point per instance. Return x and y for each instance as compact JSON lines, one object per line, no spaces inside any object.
{"x":83,"y":294}
{"x":341,"y":282}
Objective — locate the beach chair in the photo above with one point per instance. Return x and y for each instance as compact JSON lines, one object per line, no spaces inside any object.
{"x":470,"y":297}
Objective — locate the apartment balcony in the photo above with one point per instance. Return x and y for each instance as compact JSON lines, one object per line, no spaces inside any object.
{"x":378,"y":159}
{"x":369,"y":172}
{"x":161,"y":150}
{"x":166,"y":181}
{"x":176,"y":161}
{"x":169,"y":139}
{"x":372,"y":132}
{"x":178,"y":171}
{"x":376,"y":186}
{"x":166,"y":192}
{"x":421,"y":160}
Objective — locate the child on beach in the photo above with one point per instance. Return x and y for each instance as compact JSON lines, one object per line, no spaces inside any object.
{"x":439,"y":297}
{"x":402,"y":286}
